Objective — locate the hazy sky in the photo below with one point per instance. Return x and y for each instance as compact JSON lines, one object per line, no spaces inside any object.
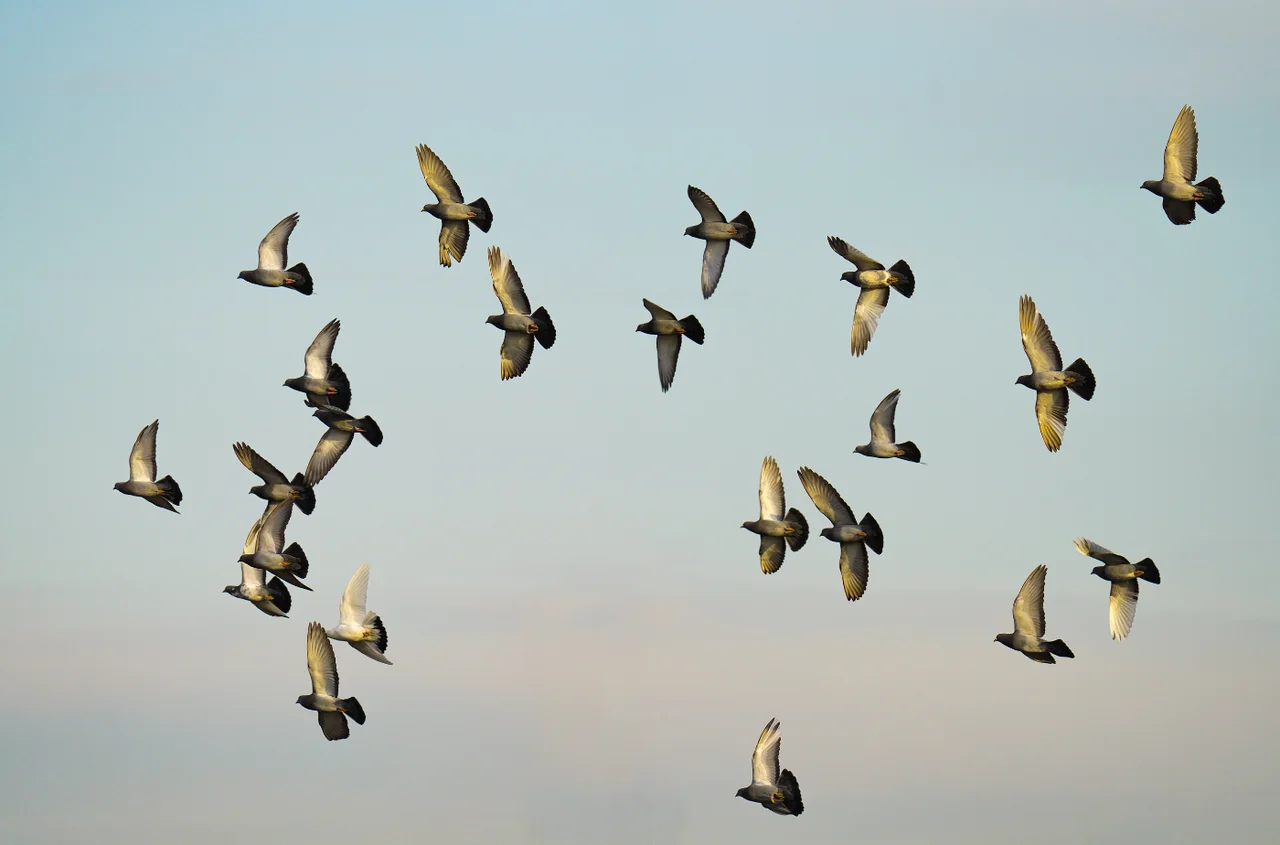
{"x":585,"y":649}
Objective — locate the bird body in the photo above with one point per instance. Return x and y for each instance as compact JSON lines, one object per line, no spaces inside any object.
{"x":269,"y":552}
{"x":275,"y":487}
{"x":331,"y":710}
{"x":273,"y":254}
{"x":1028,"y":623}
{"x":776,"y":790}
{"x":669,"y":330}
{"x":518,"y":321}
{"x":342,"y":429}
{"x":323,"y":382}
{"x":883,"y":434}
{"x":449,"y":208}
{"x":1175,"y":185}
{"x":272,"y":597}
{"x":1048,"y":378}
{"x":853,"y":536}
{"x":717,"y":232}
{"x":777,"y":527}
{"x":142,"y":482}
{"x":1123,"y":577}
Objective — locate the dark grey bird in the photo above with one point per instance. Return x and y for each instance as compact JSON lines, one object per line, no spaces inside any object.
{"x":271,"y":597}
{"x":669,"y":331}
{"x":331,"y":711}
{"x":853,"y":536}
{"x":1028,"y":623}
{"x":273,"y":255}
{"x":275,"y":487}
{"x":449,"y":208}
{"x":717,"y":232}
{"x":776,"y":530}
{"x":1123,"y":577}
{"x":519,"y":324}
{"x":1048,"y":379}
{"x":164,"y":493}
{"x":883,"y":435}
{"x":874,"y":283}
{"x":337,"y":439}
{"x":323,"y":381}
{"x":776,"y":791}
{"x":270,"y":553}
{"x":1180,"y":196}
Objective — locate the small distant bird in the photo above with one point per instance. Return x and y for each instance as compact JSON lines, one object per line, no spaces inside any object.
{"x":332,"y":712}
{"x":164,"y":493}
{"x":323,"y":381}
{"x":776,"y":531}
{"x":449,"y":209}
{"x":273,"y":254}
{"x":875,"y":282}
{"x":276,"y":488}
{"x":1123,"y":576}
{"x":362,"y":630}
{"x":520,"y":326}
{"x":668,"y":329}
{"x":778,"y":792}
{"x":1048,"y":379}
{"x":854,"y":537}
{"x":883,"y":434}
{"x":717,"y":232}
{"x":271,"y":597}
{"x":269,"y":552}
{"x":1180,"y":196}
{"x":336,"y":440}
{"x":1028,"y":623}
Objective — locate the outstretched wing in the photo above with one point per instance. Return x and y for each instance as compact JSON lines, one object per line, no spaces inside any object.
{"x":855,"y":569}
{"x":320,"y":662}
{"x":319,"y":357}
{"x":333,"y":443}
{"x":1180,"y":151}
{"x":273,"y":252}
{"x":1123,"y":606}
{"x":764,"y":760}
{"x":1028,"y":607}
{"x":773,"y":503}
{"x":453,"y":241}
{"x":882,"y":429}
{"x":825,"y":498}
{"x":866,"y":316}
{"x":1037,"y":342}
{"x":258,"y":465}
{"x":706,"y":206}
{"x":713,"y":256}
{"x":351,"y":609}
{"x":657,"y":312}
{"x":1051,"y":414}
{"x":507,"y":284}
{"x":1093,"y":550}
{"x":438,"y":177}
{"x":858,"y":258}
{"x":515,"y":354}
{"x":274,"y":521}
{"x":668,"y":355}
{"x":142,"y":458}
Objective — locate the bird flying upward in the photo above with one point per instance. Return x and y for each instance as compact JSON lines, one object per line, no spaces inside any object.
{"x":273,"y":255}
{"x":142,"y":483}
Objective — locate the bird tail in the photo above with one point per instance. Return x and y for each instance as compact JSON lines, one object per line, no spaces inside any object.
{"x":1212,"y":195}
{"x":874,"y":538}
{"x":1084,"y":384}
{"x":484,"y":217}
{"x":307,"y":494}
{"x":1148,"y":570}
{"x":797,"y":540}
{"x":374,"y":621}
{"x":910,"y":452}
{"x":546,"y":333}
{"x":790,"y":792}
{"x":303,"y":287}
{"x":370,"y":430}
{"x":693,"y":329}
{"x":351,"y":706}
{"x":906,"y":280}
{"x":280,"y":596}
{"x":338,"y":377}
{"x":302,"y":564}
{"x":1058,"y":647}
{"x":170,"y":489}
{"x":748,"y":237}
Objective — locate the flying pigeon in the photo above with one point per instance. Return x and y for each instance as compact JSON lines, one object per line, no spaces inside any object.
{"x":164,"y":493}
{"x":854,"y":537}
{"x":1028,"y":623}
{"x":276,"y":488}
{"x":776,"y":791}
{"x":519,"y":326}
{"x":289,"y":564}
{"x":1180,"y":196}
{"x":1123,"y":576}
{"x":450,"y":210}
{"x":336,"y":439}
{"x":362,"y":630}
{"x":332,"y":711}
{"x":273,"y":254}
{"x":776,"y":531}
{"x":668,"y":329}
{"x":323,"y":381}
{"x":1048,"y":379}
{"x":717,"y":232}
{"x":271,"y":597}
{"x":874,"y":282}
{"x":883,"y":434}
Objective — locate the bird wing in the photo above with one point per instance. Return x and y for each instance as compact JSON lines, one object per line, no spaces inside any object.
{"x":251,"y":541}
{"x":855,"y":569}
{"x":516,"y":353}
{"x":706,"y":206}
{"x":657,"y":312}
{"x":506,"y":283}
{"x":1123,"y":606}
{"x":258,"y":465}
{"x":1028,"y":607}
{"x":1051,"y":414}
{"x":453,"y":241}
{"x":320,"y":662}
{"x":882,"y":429}
{"x":764,"y":760}
{"x":274,"y":520}
{"x":1037,"y":342}
{"x":333,"y":443}
{"x":772,"y":551}
{"x":859,"y":259}
{"x":319,"y":357}
{"x":1180,"y":151}
{"x":142,"y":458}
{"x":273,"y":252}
{"x":252,"y":577}
{"x":351,"y":609}
{"x":825,"y":498}
{"x":1179,"y":212}
{"x":866,"y":315}
{"x":773,"y":503}
{"x":668,"y":354}
{"x":438,"y":177}
{"x":1093,"y":550}
{"x":713,"y":256}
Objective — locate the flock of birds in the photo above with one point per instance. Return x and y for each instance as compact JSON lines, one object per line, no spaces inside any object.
{"x":327,"y":390}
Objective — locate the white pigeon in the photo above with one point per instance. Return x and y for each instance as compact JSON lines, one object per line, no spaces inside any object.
{"x":361,"y":629}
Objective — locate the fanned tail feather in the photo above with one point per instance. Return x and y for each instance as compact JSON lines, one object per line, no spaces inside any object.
{"x":797,"y":540}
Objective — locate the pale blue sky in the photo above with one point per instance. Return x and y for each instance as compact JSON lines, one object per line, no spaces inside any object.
{"x":585,"y":647}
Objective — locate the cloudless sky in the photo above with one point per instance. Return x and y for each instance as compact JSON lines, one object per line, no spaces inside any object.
{"x":585,"y":649}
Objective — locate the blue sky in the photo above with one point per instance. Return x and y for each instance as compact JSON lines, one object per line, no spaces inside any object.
{"x":585,"y":647}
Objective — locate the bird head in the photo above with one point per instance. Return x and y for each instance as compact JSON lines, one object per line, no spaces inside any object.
{"x":1099,"y":571}
{"x":861,"y":450}
{"x":641,"y":327}
{"x":1025,"y":381}
{"x":495,"y":320}
{"x":245,"y":559}
{"x":232,"y":589}
{"x":1003,"y":639}
{"x":692,"y":230}
{"x":826,"y":532}
{"x":427,"y":207}
{"x":302,"y":699}
{"x":741,"y":793}
{"x":851,"y":277}
{"x":119,"y":485}
{"x":748,"y":525}
{"x":244,"y":274}
{"x":1151,"y":185}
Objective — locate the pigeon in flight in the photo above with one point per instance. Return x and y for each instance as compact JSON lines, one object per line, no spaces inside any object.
{"x":332,"y":711}
{"x":1180,"y":196}
{"x":883,"y":434}
{"x":449,"y":208}
{"x":273,"y":254}
{"x":518,"y":324}
{"x":289,"y":564}
{"x":776,"y":531}
{"x":717,"y":232}
{"x":1028,"y":623}
{"x":164,"y":493}
{"x":276,"y":488}
{"x":336,"y":440}
{"x":668,"y":329}
{"x":1048,"y":379}
{"x":323,"y":381}
{"x":874,"y":282}
{"x":362,"y":630}
{"x":854,"y":537}
{"x":776,"y":791}
{"x":1123,"y":576}
{"x":271,"y":597}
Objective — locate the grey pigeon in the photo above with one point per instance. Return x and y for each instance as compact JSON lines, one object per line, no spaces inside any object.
{"x":273,"y":255}
{"x":269,"y":552}
{"x":271,"y":597}
{"x":874,"y":282}
{"x":1028,"y":623}
{"x":854,"y":537}
{"x":337,"y":439}
{"x":669,"y":330}
{"x":1123,"y":576}
{"x":1048,"y":379}
{"x":518,"y":324}
{"x":323,"y":381}
{"x":275,"y":487}
{"x":164,"y":493}
{"x":332,"y":712}
{"x":1180,"y":196}
{"x":776,"y":531}
{"x":449,"y":208}
{"x":359,"y":628}
{"x":717,"y":232}
{"x":776,"y":791}
{"x":883,"y":435}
